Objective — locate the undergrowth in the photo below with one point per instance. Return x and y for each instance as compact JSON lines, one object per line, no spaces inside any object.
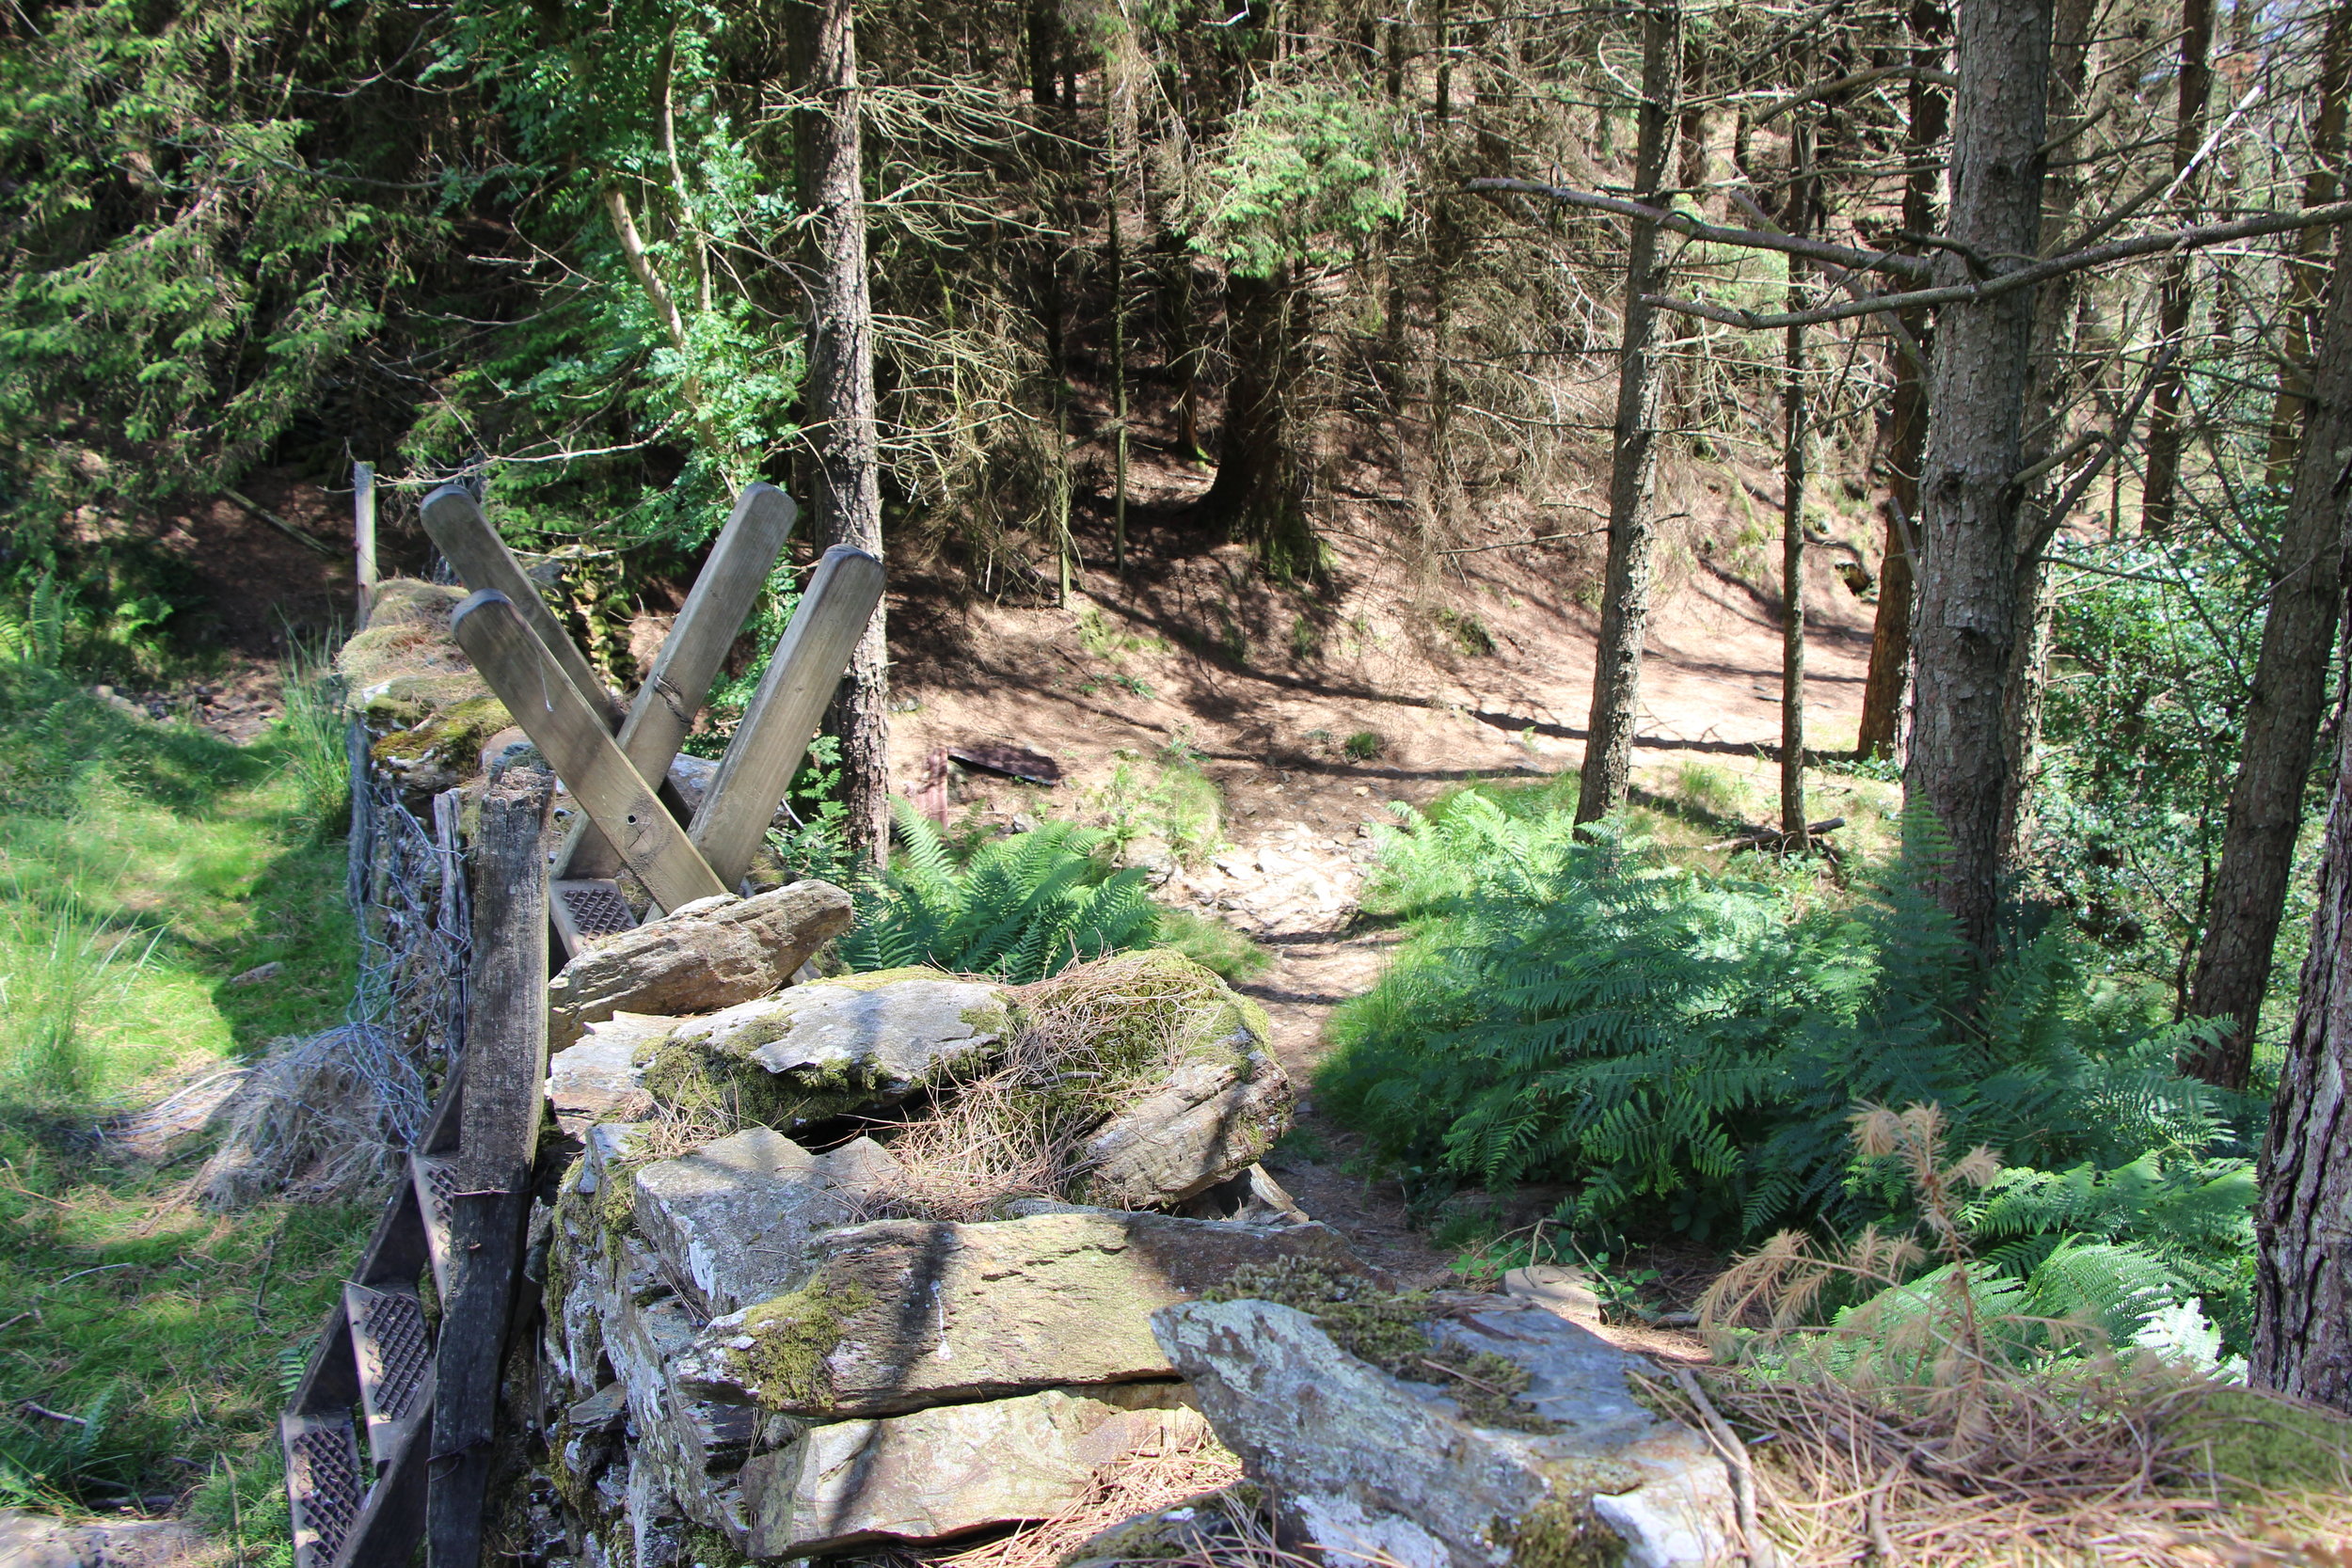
{"x":1682,"y":1050}
{"x":1022,"y":908}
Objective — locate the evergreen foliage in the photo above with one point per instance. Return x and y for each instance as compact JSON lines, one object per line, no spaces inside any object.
{"x":1684,"y":1051}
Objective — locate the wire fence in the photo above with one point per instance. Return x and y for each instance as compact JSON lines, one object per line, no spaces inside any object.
{"x":407,"y":887}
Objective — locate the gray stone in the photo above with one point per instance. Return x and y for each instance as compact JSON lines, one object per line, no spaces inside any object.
{"x":731,"y":1219}
{"x":912,"y":1313}
{"x":942,"y":1472}
{"x":712,"y":954}
{"x":884,"y":1035}
{"x":39,"y":1540}
{"x":1369,"y":1467}
{"x":600,"y":1077}
{"x":1214,"y":1116}
{"x":1556,"y":1289}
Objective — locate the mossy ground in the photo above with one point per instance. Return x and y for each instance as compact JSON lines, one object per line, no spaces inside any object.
{"x":2251,"y":1445}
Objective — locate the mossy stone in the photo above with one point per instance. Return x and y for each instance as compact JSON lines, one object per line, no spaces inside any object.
{"x":791,"y":1336}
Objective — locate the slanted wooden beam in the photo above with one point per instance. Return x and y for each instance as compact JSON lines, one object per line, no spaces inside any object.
{"x":483,"y":562}
{"x":665,"y":706}
{"x":784,"y":713}
{"x":574,"y":739}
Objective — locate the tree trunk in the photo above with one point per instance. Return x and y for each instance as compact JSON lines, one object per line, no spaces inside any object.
{"x":1890,"y":635}
{"x":2160,"y":493}
{"x":2302,"y":1247}
{"x":2283,"y":721}
{"x":2309,"y":266}
{"x":2053,"y":386}
{"x":1967,"y":628}
{"x":1260,"y":491}
{"x":847,"y":485}
{"x":1795,"y":453}
{"x":1633,"y":455}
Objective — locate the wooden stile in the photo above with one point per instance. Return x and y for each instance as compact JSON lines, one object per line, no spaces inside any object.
{"x":785,"y":712}
{"x":483,"y":563}
{"x":665,"y":706}
{"x":575,"y":739}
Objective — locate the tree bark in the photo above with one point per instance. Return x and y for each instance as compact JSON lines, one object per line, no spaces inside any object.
{"x":2282,"y":721}
{"x":1890,"y":635}
{"x":1608,"y":770}
{"x":2052,"y":385}
{"x":2302,"y":1247}
{"x":846,"y":476}
{"x":1260,"y":491}
{"x":1967,"y":627}
{"x":1796,"y":452}
{"x":2160,"y":492}
{"x":2306,"y":273}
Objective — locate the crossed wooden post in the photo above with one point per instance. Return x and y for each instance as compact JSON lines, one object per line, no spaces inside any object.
{"x":618,"y":779}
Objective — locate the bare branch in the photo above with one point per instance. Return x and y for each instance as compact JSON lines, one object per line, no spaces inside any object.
{"x":1859,"y":79}
{"x":1751,"y":239}
{"x":2196,"y":238}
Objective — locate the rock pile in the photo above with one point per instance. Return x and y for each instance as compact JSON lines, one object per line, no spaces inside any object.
{"x":886,"y":1260}
{"x":874,"y":1258}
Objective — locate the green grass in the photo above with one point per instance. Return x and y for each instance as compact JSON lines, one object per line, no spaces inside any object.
{"x":142,"y":867}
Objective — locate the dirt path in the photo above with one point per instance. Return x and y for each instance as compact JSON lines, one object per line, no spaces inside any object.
{"x":1315,"y":712}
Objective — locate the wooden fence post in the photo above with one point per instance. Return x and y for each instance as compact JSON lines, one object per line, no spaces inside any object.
{"x":505,"y":1064}
{"x":363,"y":534}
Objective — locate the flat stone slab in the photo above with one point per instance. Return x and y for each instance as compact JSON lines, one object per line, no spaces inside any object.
{"x":38,"y":1541}
{"x":886,"y":1033}
{"x":600,"y":1079}
{"x":710,"y":954}
{"x":942,"y":1472}
{"x":901,"y":1313}
{"x":733,"y":1218}
{"x":1212,"y":1118}
{"x":1371,"y":1468}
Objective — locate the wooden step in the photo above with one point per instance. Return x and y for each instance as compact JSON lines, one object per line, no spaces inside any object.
{"x":435,"y":1177}
{"x":326,"y":1484}
{"x":586,"y":910}
{"x":395,"y":1354}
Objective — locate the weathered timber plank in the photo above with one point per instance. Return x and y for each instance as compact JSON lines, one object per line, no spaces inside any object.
{"x":575,"y":740}
{"x":785,"y":711}
{"x":506,"y":1035}
{"x":483,"y":562}
{"x":691,"y":656}
{"x":505,"y":1064}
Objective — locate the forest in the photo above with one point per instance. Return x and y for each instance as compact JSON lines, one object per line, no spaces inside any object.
{"x":1930,"y":979}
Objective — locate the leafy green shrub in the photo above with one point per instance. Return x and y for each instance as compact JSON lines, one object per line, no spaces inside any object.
{"x":1363,"y":746}
{"x":1020,"y":908}
{"x":1684,"y":1051}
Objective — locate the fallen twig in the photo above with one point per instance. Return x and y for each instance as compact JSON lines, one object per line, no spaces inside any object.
{"x":52,"y":1415}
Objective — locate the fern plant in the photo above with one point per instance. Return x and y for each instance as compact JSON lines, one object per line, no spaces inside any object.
{"x":1683,"y":1050}
{"x":1019,"y":908}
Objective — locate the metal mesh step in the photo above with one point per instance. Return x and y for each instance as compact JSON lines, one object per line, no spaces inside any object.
{"x":588,"y":911}
{"x":326,"y":1484}
{"x":436,"y":1179}
{"x":388,"y":1336}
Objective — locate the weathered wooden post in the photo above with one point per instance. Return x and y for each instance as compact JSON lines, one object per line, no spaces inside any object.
{"x":363,"y":534}
{"x":506,"y":1056}
{"x":573,"y":737}
{"x":483,"y":563}
{"x":785,"y":712}
{"x":665,"y":706}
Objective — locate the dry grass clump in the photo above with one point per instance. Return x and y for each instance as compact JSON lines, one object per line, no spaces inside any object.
{"x":1923,"y":1427}
{"x":324,"y":1118}
{"x":1089,"y":1041}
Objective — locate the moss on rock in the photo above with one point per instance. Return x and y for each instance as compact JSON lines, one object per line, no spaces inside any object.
{"x":1390,"y":1330}
{"x":791,"y":1336}
{"x":1561,"y":1532}
{"x":2253,"y":1443}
